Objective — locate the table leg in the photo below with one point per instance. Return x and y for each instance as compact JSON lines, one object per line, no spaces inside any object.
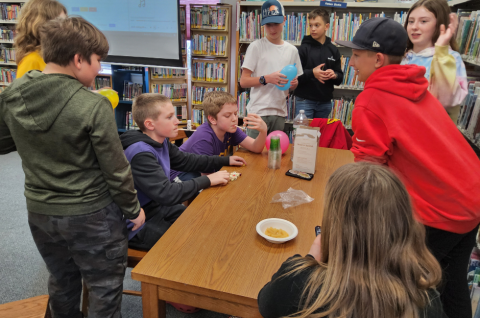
{"x":152,"y":306}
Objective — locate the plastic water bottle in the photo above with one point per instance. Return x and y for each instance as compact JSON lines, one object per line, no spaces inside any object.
{"x":300,"y":120}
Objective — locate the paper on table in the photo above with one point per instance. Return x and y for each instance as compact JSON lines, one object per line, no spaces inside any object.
{"x":305,"y":150}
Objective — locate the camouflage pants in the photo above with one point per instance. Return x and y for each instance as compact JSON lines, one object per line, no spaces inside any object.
{"x":93,"y":247}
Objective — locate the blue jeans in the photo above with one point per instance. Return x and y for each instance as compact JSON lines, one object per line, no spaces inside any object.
{"x":312,"y":108}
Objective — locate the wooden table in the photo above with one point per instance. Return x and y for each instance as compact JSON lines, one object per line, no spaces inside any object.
{"x":212,"y":256}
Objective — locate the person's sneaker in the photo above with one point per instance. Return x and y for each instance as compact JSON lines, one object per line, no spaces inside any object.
{"x":184,"y":308}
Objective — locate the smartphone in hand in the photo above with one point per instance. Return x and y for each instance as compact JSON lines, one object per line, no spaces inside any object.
{"x":318,"y":230}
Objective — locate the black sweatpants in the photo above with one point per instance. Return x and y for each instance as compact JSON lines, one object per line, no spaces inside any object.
{"x":453,"y":253}
{"x":92,"y":247}
{"x":156,"y":224}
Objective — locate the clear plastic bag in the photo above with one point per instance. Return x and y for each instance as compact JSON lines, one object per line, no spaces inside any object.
{"x":291,"y":198}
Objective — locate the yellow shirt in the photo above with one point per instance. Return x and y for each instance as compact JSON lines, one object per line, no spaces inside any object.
{"x":32,"y":61}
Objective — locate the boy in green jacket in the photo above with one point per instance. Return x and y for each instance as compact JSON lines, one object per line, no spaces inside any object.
{"x":78,"y":183}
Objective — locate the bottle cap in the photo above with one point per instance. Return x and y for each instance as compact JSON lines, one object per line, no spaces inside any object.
{"x":275,"y":143}
{"x":302,"y":111}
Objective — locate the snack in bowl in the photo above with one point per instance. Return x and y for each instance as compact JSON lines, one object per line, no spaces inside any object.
{"x":276,"y":233}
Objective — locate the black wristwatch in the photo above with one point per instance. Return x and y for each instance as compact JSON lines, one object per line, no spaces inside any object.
{"x":262,"y":80}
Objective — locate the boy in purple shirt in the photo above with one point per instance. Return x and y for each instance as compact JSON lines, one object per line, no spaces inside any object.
{"x":220,"y":132}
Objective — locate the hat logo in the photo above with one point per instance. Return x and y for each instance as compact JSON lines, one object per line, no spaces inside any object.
{"x":375,"y":44}
{"x":272,"y":10}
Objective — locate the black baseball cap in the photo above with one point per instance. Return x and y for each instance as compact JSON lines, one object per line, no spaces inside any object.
{"x":382,"y":35}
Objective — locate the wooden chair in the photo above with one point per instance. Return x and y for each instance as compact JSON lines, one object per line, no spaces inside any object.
{"x":134,"y":257}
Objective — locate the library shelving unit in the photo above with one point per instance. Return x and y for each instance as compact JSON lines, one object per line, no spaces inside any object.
{"x":300,"y":9}
{"x":173,"y":82}
{"x":210,"y":35}
{"x":9,"y":14}
{"x":128,"y":82}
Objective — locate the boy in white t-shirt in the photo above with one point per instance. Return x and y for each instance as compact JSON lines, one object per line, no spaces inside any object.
{"x":264,"y":60}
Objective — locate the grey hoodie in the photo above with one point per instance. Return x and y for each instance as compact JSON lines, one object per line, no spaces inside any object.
{"x":67,"y":139}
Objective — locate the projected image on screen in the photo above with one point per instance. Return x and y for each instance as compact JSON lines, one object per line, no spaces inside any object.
{"x":134,"y":28}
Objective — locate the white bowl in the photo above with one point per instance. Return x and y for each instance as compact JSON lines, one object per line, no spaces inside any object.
{"x":285,"y":225}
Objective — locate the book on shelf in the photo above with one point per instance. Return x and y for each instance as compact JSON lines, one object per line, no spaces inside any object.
{"x":8,"y":32}
{"x":7,"y":54}
{"x":160,"y":72}
{"x":198,"y":116}
{"x":100,"y":82}
{"x":342,"y":109}
{"x":213,"y":45}
{"x":181,"y":113}
{"x":468,"y":35}
{"x":183,"y":14}
{"x":131,"y":90}
{"x":10,"y":11}
{"x":176,"y":92}
{"x":242,"y":102}
{"x":7,"y":75}
{"x":130,"y":124}
{"x":208,"y":17}
{"x":350,"y":76}
{"x":469,"y":117}
{"x":209,"y":71}
{"x":198,"y":93}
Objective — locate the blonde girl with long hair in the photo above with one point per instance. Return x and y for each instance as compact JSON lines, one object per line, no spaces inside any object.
{"x":27,"y":41}
{"x":370,"y":261}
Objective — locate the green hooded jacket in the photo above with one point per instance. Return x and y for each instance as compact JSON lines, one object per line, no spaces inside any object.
{"x":67,"y":139}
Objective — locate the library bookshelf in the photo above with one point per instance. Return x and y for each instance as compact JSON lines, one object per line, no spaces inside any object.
{"x":346,"y":92}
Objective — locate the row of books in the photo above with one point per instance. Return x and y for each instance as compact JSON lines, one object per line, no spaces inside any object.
{"x":342,"y":26}
{"x":215,"y":45}
{"x":197,"y":116}
{"x":342,"y":109}
{"x":469,"y":118}
{"x":7,"y":54}
{"x":181,"y":113}
{"x":198,"y":93}
{"x":350,"y":76}
{"x":7,"y":32}
{"x":131,"y":90}
{"x":209,"y":71}
{"x":468,"y":34}
{"x":101,"y":82}
{"x":176,"y":92}
{"x":7,"y":75}
{"x":10,"y":11}
{"x":130,"y":124}
{"x":160,"y":72}
{"x":242,"y":102}
{"x":208,"y":17}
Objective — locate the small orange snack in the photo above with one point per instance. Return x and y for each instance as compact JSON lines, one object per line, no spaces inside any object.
{"x":276,"y":233}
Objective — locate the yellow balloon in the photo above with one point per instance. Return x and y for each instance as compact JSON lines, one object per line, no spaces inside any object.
{"x":111,"y":95}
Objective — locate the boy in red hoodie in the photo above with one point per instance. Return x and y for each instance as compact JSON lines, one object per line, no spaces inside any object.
{"x":398,"y":123}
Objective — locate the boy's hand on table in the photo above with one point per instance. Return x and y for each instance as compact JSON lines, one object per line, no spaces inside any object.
{"x":276,"y":78}
{"x":316,"y":249}
{"x":237,"y":161}
{"x":139,"y":220}
{"x":220,"y":177}
{"x":255,"y":122}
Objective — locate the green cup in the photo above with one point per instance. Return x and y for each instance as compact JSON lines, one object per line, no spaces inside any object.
{"x":275,"y":143}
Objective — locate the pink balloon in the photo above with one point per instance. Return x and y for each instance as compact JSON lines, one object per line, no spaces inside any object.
{"x":284,"y":140}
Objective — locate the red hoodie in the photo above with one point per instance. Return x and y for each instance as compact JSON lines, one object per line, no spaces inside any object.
{"x":397,"y":122}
